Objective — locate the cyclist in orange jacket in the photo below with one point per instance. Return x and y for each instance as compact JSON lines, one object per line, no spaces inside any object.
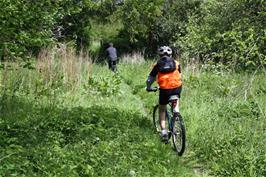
{"x":167,"y":71}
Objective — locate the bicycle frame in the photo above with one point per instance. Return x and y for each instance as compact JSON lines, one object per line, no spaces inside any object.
{"x":172,"y":104}
{"x":176,"y":127}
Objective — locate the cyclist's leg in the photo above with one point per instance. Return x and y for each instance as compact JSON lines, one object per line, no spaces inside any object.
{"x":163,"y":100}
{"x":176,"y":108}
{"x":177,"y":91}
{"x":162,"y":109}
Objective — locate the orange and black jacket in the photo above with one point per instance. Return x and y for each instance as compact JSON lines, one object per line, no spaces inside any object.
{"x":168,"y":80}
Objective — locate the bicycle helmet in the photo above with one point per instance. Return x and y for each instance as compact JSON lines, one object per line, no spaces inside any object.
{"x":165,"y":50}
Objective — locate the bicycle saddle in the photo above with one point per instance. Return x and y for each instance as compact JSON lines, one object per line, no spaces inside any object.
{"x":173,"y":97}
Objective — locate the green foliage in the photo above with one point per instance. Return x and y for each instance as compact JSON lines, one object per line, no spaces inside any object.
{"x":153,"y":23}
{"x":74,"y":21}
{"x":172,"y":23}
{"x":105,"y":86}
{"x":242,"y":49}
{"x":224,"y":114}
{"x":25,"y":26}
{"x":56,"y":120}
{"x":103,"y":33}
{"x":138,"y":18}
{"x":226,"y":122}
{"x":29,"y":26}
{"x":44,"y":134}
{"x":231,"y":32}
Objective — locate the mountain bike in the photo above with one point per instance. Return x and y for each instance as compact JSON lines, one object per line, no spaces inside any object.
{"x":175,"y":124}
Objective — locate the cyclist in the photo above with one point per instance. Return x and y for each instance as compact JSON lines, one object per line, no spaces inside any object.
{"x":168,"y":73}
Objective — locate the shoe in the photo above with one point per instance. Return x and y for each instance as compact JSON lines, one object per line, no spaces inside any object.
{"x":164,"y":135}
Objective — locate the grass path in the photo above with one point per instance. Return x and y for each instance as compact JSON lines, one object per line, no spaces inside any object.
{"x":191,"y":168}
{"x":103,"y":127}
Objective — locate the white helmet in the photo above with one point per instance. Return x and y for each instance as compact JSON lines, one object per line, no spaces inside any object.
{"x":165,"y":50}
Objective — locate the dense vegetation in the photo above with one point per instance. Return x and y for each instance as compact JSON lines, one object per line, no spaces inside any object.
{"x":64,"y":116}
{"x":231,"y":32}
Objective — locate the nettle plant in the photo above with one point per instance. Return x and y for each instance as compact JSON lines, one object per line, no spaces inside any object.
{"x":105,"y":86}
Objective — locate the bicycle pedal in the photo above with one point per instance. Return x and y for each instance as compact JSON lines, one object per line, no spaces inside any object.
{"x":166,"y":142}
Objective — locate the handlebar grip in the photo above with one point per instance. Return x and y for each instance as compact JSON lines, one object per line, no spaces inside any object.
{"x":154,"y":89}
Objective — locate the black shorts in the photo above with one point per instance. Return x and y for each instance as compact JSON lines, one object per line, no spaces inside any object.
{"x":165,"y":94}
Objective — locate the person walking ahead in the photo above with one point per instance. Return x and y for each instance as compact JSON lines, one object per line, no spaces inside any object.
{"x":112,"y":57}
{"x":168,"y":73}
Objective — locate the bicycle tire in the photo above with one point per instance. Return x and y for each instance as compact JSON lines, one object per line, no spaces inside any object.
{"x":179,"y":135}
{"x":156,"y":119}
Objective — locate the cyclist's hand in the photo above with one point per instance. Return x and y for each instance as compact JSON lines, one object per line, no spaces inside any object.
{"x":148,"y":89}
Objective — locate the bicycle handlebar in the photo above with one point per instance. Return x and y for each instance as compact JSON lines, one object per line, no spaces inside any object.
{"x":152,"y":89}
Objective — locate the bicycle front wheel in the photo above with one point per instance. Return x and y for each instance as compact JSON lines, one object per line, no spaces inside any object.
{"x":179,"y":135}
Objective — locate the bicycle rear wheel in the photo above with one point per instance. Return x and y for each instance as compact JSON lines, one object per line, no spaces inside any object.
{"x":179,"y":135}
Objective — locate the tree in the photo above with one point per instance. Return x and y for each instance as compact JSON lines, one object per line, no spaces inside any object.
{"x":139,"y":18}
{"x":26,"y":26}
{"x":231,"y":32}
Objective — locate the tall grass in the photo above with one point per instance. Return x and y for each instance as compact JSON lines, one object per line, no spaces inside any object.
{"x":226,"y":119}
{"x":133,"y":58}
{"x":64,"y":116}
{"x":107,"y":135}
{"x":54,"y":73}
{"x":64,"y":63}
{"x":224,"y":112}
